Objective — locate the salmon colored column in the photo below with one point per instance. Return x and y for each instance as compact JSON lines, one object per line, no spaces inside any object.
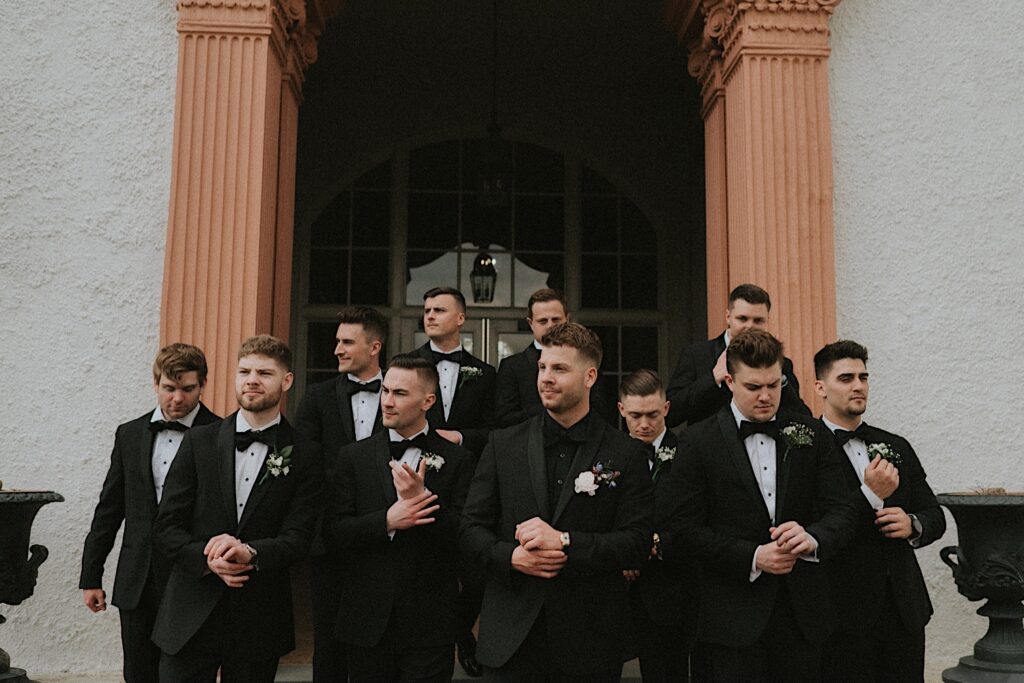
{"x":227,"y":267}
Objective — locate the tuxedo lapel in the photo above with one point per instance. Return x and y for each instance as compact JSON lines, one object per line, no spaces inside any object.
{"x":435,"y":414}
{"x":284,"y":438}
{"x":737,"y":453}
{"x":345,"y":408}
{"x":537,"y":465}
{"x":382,"y":462}
{"x":146,"y":462}
{"x":783,"y":463}
{"x":226,"y":453}
{"x":583,"y":459}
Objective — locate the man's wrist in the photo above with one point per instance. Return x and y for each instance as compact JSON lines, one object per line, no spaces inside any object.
{"x":564,"y":539}
{"x":253,"y":555}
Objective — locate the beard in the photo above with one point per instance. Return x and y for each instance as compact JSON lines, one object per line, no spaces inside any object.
{"x":259,"y":403}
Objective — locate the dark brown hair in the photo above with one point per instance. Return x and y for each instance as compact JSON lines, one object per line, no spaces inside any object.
{"x":425,"y":370}
{"x":755,"y":349}
{"x":174,"y":360}
{"x":837,"y":350}
{"x":578,"y":337}
{"x":373,"y":322}
{"x":641,"y":383}
{"x":752,"y":294}
{"x":269,"y":346}
{"x":544,"y":295}
{"x":439,"y":291}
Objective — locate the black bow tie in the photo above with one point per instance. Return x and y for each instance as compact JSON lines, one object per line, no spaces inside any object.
{"x":750,"y":428}
{"x":453,"y":357}
{"x":353,"y":387}
{"x":862,"y":432}
{"x":555,"y":433}
{"x":652,"y":452}
{"x":245,"y":439}
{"x":161,"y":425}
{"x":398,"y":448}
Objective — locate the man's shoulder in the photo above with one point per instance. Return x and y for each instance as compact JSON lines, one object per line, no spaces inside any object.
{"x":206,"y":433}
{"x":515,"y":361}
{"x":364,"y":447}
{"x":136,"y":423}
{"x":515,"y":433}
{"x":324,"y":388}
{"x":471,"y":360}
{"x":447,"y":449}
{"x":888,"y":436}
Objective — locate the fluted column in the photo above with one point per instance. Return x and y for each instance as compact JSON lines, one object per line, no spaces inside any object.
{"x":227,"y":268}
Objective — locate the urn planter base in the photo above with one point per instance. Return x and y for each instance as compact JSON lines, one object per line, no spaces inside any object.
{"x":14,"y":676}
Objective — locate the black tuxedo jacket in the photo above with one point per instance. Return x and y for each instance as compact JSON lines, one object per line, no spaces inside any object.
{"x":472,"y":411}
{"x":407,"y":586}
{"x":861,"y":573}
{"x":586,"y":606}
{"x":516,"y":398}
{"x":325,"y":416}
{"x":718,"y":514}
{"x":669,"y":586}
{"x":128,"y":494}
{"x":695,"y":396}
{"x":199,"y":503}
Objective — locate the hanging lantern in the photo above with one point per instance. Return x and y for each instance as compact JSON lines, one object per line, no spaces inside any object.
{"x":483,"y":278}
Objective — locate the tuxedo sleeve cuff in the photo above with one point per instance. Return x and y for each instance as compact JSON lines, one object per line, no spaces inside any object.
{"x":754,"y":571}
{"x":873,"y":500}
{"x":813,"y":555}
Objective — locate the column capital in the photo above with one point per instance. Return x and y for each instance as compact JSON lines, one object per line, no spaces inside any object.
{"x":772,"y":28}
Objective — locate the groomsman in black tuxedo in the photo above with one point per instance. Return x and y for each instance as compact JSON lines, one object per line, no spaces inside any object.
{"x":663,"y":592}
{"x":396,"y":499}
{"x":759,"y":499}
{"x":238,"y":509}
{"x":698,"y":388}
{"x":560,"y":505}
{"x":880,"y":595}
{"x":463,"y":414}
{"x":516,"y":398}
{"x":143,"y":451}
{"x":335,"y":413}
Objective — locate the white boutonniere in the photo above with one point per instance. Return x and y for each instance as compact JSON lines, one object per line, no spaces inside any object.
{"x":278,"y":464}
{"x":796,"y":435}
{"x":885,"y":451}
{"x":467,"y":373}
{"x":591,"y":480}
{"x":434,"y":461}
{"x":663,"y":455}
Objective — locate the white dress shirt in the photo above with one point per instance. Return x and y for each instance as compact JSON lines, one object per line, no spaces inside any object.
{"x":857,"y":453}
{"x":249,"y":464}
{"x":165,"y":447}
{"x":448,"y":374}
{"x":656,"y":444}
{"x":411,"y":457}
{"x":365,"y":406}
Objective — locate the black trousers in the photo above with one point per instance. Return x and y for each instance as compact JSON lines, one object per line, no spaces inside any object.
{"x":780,"y":655}
{"x":388,"y":662}
{"x":471,"y":595}
{"x":664,"y":649}
{"x":141,"y":655}
{"x":883,"y":652}
{"x":536,"y":662}
{"x":329,"y":661}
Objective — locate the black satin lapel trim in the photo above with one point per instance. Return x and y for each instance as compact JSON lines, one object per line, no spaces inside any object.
{"x":260,"y":488}
{"x":226,"y":453}
{"x":382,"y":460}
{"x":538,"y":468}
{"x":582,"y":461}
{"x":739,"y":457}
{"x":345,"y":409}
{"x":146,"y":460}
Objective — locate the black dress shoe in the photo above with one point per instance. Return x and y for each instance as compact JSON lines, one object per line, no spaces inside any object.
{"x":465,"y":650}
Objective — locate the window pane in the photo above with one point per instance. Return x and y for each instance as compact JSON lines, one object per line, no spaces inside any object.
{"x":485,"y":225}
{"x":537,"y":271}
{"x":433,"y":220}
{"x":435,"y":167}
{"x":320,"y":345}
{"x":637,"y":232}
{"x":593,"y":183}
{"x":600,"y":282}
{"x":639,"y":348}
{"x":328,"y":276}
{"x":600,"y":224}
{"x":378,"y":178}
{"x":538,"y":169}
{"x":370,"y":277}
{"x":429,"y":269}
{"x":330,"y":229}
{"x":609,"y":336}
{"x":371,"y":218}
{"x":640,"y":282}
{"x":540,"y":223}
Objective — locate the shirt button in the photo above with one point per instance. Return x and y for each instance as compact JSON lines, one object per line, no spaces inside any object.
{"x":769,"y":495}
{"x":766,"y":468}
{"x":247,"y":478}
{"x":559,"y":481}
{"x":561,"y":455}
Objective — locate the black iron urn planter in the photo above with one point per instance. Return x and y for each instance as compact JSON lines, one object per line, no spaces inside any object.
{"x":988,"y":563}
{"x":19,"y":562}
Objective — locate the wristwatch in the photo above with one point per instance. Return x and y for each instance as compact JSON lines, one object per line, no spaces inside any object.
{"x":564,"y":538}
{"x":916,"y":527}
{"x":252,"y":560}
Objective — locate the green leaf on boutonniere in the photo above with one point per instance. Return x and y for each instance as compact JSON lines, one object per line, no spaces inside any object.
{"x":278,"y":464}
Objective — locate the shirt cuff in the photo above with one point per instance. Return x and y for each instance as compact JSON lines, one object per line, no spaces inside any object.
{"x":813,"y":555}
{"x":873,"y":500}
{"x":754,"y":571}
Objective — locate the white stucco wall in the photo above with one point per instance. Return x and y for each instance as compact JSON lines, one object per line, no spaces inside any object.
{"x":927,"y":100}
{"x":86,"y":115}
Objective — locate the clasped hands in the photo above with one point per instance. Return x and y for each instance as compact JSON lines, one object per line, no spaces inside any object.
{"x":229,"y":558}
{"x":416,"y":504}
{"x":539,"y":552}
{"x":789,"y":542}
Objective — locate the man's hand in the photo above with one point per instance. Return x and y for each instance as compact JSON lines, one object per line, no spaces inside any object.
{"x":790,"y":537}
{"x":409,"y":512}
{"x":882,"y":477}
{"x":231,"y":573}
{"x":95,"y":599}
{"x":536,"y":534}
{"x":544,"y":564}
{"x":238,"y":554}
{"x":894,"y":523}
{"x":408,"y":483}
{"x":450,"y":434}
{"x":631,"y":574}
{"x":218,"y":545}
{"x":719,"y":371}
{"x":774,"y":560}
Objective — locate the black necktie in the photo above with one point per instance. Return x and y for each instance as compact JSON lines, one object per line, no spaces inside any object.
{"x":354,"y":387}
{"x":861,"y":432}
{"x":770,"y":429}
{"x":245,"y":439}
{"x":454,"y":356}
{"x":161,"y":425}
{"x":398,"y":448}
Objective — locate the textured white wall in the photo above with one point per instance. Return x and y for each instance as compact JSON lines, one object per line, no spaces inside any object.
{"x":929,"y":203}
{"x":86,"y":117}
